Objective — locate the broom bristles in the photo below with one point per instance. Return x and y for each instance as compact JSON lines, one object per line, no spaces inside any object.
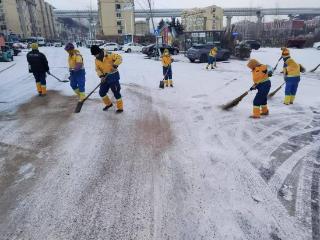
{"x":234,"y":102}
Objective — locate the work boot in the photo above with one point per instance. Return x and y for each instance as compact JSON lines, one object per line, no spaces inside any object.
{"x":82,"y":96}
{"x":212,"y":66}
{"x":43,"y":90}
{"x":171,"y":83}
{"x":106,"y":100}
{"x":166,"y":83}
{"x":77,"y":91}
{"x":119,"y":106}
{"x":264,"y":110}
{"x":39,"y":89}
{"x":256,"y":112}
{"x":207,"y":67}
{"x":107,"y":107}
{"x":287,"y":99}
{"x":292,"y":99}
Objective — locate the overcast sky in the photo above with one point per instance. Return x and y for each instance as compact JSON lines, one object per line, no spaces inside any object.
{"x":85,"y":4}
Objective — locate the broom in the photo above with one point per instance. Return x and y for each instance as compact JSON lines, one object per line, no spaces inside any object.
{"x":313,"y":70}
{"x":80,"y":103}
{"x":275,"y":91}
{"x":235,"y":102}
{"x":64,"y":81}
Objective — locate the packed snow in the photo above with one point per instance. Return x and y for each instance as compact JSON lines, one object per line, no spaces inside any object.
{"x":172,"y":166}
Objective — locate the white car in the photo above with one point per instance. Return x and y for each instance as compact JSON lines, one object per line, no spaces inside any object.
{"x":57,"y":44}
{"x":111,"y":46}
{"x":316,"y":45}
{"x":132,"y":47}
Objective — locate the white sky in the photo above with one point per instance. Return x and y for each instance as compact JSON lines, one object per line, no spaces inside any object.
{"x":85,"y":4}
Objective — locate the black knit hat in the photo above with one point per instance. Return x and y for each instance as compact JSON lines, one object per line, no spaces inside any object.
{"x":95,"y":50}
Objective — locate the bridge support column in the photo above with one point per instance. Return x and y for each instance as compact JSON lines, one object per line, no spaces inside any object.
{"x":259,"y":25}
{"x":229,"y":18}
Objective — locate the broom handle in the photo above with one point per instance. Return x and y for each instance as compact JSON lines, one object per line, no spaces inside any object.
{"x":55,"y":77}
{"x":102,"y":81}
{"x":277,"y":64}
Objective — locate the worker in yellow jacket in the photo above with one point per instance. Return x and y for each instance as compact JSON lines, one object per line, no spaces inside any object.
{"x":77,"y":71}
{"x":291,"y":73}
{"x":260,"y":76}
{"x":212,"y":58}
{"x":107,"y":69}
{"x":167,"y":69}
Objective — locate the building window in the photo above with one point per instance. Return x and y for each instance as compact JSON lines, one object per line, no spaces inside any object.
{"x":119,"y":31}
{"x":118,"y":6}
{"x":119,"y":23}
{"x":118,"y":15}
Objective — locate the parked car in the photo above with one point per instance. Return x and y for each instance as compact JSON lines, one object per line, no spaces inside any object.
{"x":57,"y":44}
{"x":296,"y":42}
{"x":151,"y":49}
{"x":201,"y":52}
{"x":111,"y":46}
{"x":132,"y":47}
{"x":6,"y":54}
{"x":14,"y":47}
{"x":316,"y":45}
{"x":254,"y":44}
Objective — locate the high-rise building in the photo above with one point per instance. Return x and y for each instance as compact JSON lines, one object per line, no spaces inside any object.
{"x":27,"y":18}
{"x":203,"y":19}
{"x":116,"y":17}
{"x":9,"y":17}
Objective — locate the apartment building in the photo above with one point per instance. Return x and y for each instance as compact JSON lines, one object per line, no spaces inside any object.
{"x":27,"y":18}
{"x":203,"y":19}
{"x":116,"y":17}
{"x":9,"y":17}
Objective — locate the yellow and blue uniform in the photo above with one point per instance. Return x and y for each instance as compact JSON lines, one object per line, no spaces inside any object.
{"x":212,"y":57}
{"x":77,"y":73}
{"x":106,"y":66}
{"x":291,"y":73}
{"x":260,"y":76}
{"x":167,"y":69}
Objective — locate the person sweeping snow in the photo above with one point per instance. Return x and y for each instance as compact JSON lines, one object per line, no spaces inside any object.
{"x":167,"y":69}
{"x":77,"y":72}
{"x":291,"y":72}
{"x":38,"y":65}
{"x":107,"y":69}
{"x":262,"y":83}
{"x":212,"y":58}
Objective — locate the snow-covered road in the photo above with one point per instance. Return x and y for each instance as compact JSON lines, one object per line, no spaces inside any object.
{"x":173,"y":166}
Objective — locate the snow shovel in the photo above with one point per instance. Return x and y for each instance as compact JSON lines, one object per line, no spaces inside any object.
{"x":275,"y":67}
{"x":161,"y":84}
{"x":275,"y":91}
{"x":80,"y":103}
{"x":64,"y":81}
{"x":313,"y":70}
{"x":235,"y":102}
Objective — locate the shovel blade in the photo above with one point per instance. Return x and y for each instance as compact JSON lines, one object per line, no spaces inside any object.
{"x":161,"y":85}
{"x":78,"y":107}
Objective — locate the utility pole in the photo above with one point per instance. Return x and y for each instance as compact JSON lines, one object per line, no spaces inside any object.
{"x":153,"y":26}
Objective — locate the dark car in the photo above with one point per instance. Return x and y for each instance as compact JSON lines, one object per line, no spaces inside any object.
{"x":151,"y":50}
{"x":254,"y":44}
{"x":12,"y":46}
{"x":201,"y":52}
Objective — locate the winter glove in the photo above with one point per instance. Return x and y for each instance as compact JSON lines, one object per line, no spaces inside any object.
{"x":115,"y":66}
{"x":253,"y":88}
{"x":70,"y":78}
{"x":48,"y":72}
